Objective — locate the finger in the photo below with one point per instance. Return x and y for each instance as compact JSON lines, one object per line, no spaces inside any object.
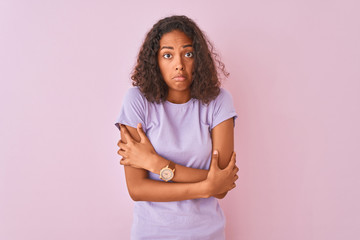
{"x":232,"y":187}
{"x":141,"y":132}
{"x":123,"y":146}
{"x":122,"y":153}
{"x":236,"y":177}
{"x":125,"y":132}
{"x":215,"y":159}
{"x":120,"y":143}
{"x":124,"y":162}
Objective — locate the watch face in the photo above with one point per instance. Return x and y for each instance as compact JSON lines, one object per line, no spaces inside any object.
{"x":166,"y":174}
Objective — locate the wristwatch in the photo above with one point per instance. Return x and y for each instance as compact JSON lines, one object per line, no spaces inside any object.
{"x":167,"y":173}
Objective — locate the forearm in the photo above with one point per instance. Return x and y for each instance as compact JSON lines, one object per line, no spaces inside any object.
{"x":139,"y":153}
{"x":182,"y":174}
{"x":188,"y":182}
{"x":145,"y":189}
{"x":189,"y":175}
{"x":184,"y":177}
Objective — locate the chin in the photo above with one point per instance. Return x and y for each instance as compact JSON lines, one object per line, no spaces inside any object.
{"x":182,"y":89}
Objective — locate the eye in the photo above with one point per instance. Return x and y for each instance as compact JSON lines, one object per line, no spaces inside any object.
{"x":167,"y":55}
{"x":189,"y":54}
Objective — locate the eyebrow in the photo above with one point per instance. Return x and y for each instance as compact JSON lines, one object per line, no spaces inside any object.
{"x":185,"y":46}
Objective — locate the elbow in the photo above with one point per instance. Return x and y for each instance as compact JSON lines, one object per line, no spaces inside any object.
{"x":221,"y":196}
{"x":137,"y":192}
{"x":134,"y":194}
{"x":135,"y":198}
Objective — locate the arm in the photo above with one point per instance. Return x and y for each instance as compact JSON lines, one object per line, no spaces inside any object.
{"x":143,"y":155}
{"x":223,"y":139}
{"x":143,"y":189}
{"x":137,"y":151}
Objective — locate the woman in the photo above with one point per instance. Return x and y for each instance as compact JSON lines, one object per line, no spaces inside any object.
{"x":177,"y":128}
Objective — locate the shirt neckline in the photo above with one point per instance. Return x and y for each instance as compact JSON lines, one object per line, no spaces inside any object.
{"x":179,"y":105}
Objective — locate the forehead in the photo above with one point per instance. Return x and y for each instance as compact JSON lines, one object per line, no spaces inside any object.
{"x":175,"y":37}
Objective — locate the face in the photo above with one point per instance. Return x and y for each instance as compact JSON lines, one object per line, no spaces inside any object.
{"x":176,"y":60}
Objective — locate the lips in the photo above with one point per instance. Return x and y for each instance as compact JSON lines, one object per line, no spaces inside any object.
{"x":180,"y":77}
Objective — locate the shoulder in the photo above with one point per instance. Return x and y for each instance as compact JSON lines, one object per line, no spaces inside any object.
{"x":134,"y":108}
{"x":224,"y":97}
{"x":134,"y":100}
{"x":224,"y":93}
{"x":134,"y":95}
{"x":134,"y":92}
{"x":221,"y":108}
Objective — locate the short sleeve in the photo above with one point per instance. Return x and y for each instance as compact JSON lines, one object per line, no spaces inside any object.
{"x":223,"y":108}
{"x":133,"y":109}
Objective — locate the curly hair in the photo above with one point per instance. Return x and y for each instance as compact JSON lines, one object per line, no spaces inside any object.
{"x":206,"y":80}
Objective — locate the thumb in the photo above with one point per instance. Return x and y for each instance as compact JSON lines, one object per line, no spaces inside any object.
{"x":141,"y":133}
{"x":231,"y":164}
{"x":215,"y":159}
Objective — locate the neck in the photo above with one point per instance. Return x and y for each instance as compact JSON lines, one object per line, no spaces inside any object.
{"x":178,"y":97}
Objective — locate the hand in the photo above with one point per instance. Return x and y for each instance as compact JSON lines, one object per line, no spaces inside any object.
{"x":136,"y":154}
{"x":219,"y":180}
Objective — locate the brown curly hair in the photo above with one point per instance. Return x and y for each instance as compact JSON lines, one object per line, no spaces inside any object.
{"x":206,"y":81}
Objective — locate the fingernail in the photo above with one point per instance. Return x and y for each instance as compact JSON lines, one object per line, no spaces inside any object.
{"x":215,"y":152}
{"x":139,"y":125}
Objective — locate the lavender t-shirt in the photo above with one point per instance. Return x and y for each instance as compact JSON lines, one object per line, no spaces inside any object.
{"x":180,"y":133}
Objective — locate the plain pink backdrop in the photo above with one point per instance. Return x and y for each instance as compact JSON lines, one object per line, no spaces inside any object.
{"x":295,"y":80}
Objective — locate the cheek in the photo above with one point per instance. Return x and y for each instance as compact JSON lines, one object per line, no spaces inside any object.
{"x":190,"y":66}
{"x":163,"y":71}
{"x":161,"y":67}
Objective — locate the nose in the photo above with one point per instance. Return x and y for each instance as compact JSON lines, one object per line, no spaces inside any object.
{"x":179,"y":65}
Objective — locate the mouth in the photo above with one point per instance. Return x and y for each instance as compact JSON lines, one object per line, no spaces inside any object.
{"x":179,"y":78}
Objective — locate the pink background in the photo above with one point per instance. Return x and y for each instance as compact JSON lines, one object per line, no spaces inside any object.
{"x":295,"y":80}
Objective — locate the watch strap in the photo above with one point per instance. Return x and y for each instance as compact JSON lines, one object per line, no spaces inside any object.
{"x":172,"y":166}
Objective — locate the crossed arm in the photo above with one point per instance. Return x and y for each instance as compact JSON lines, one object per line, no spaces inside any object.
{"x":139,"y":157}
